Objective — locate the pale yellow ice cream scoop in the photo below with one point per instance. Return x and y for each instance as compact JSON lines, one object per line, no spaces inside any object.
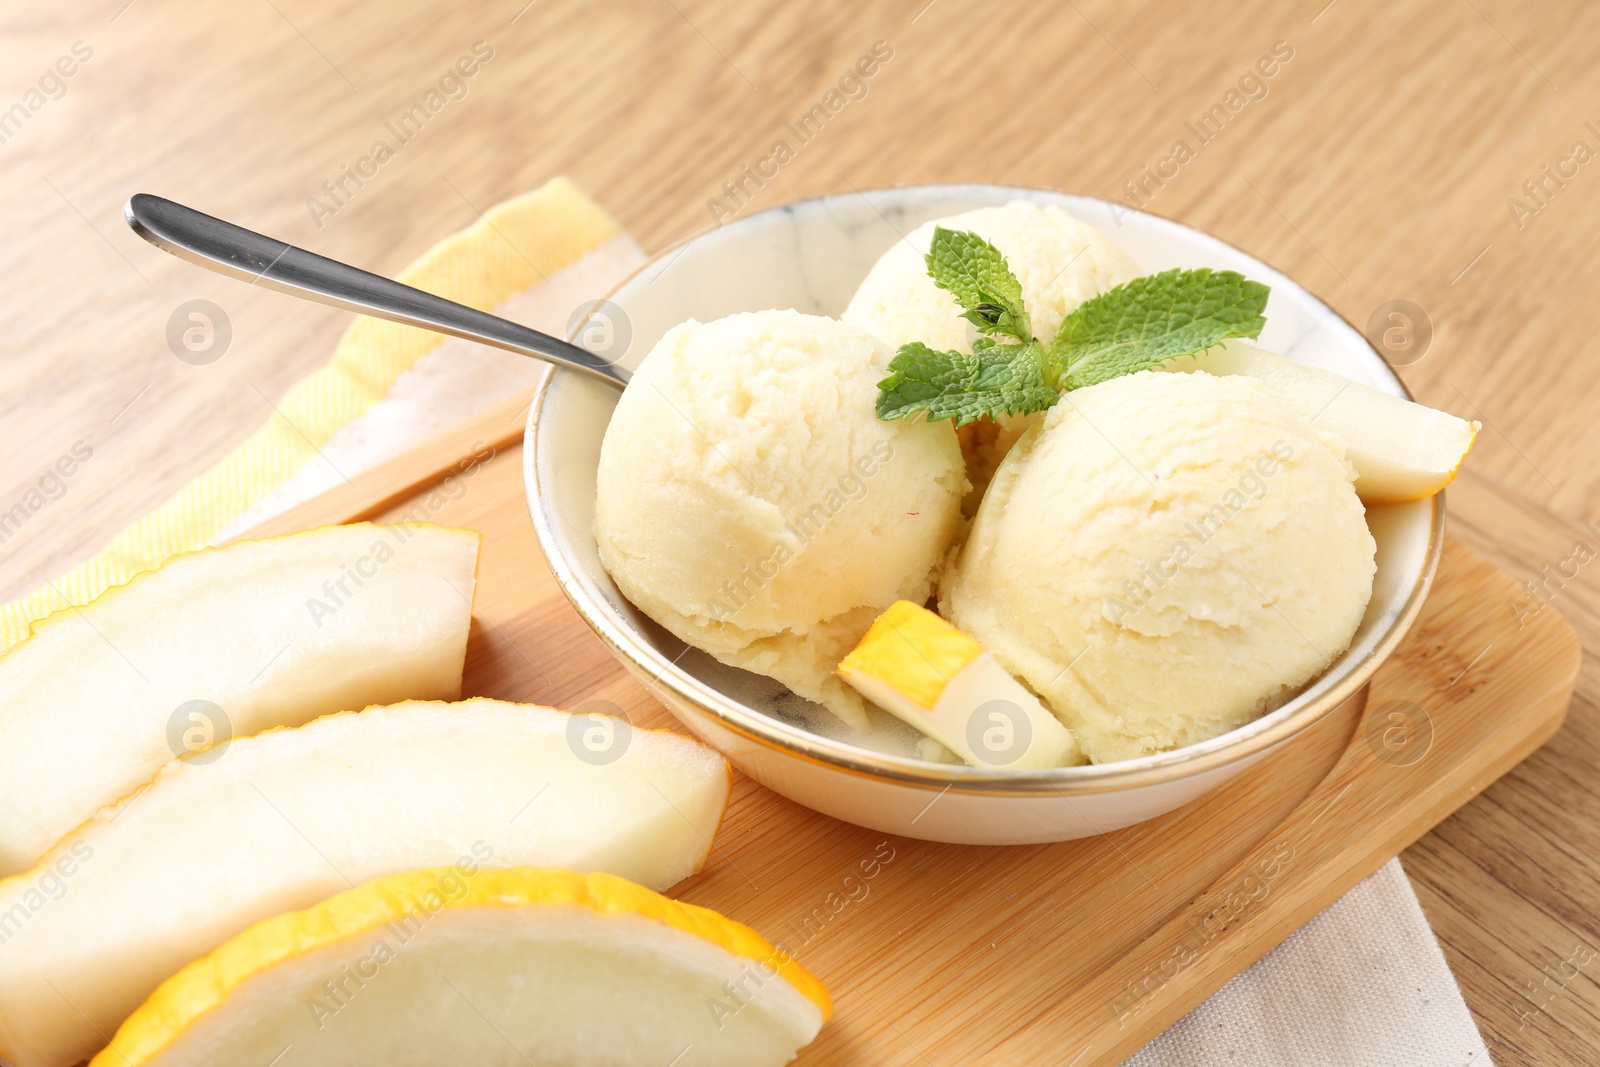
{"x":750,"y":501}
{"x":1162,"y":558}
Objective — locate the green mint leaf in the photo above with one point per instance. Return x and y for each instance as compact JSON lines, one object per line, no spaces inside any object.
{"x":1152,"y":319}
{"x":976,"y":274}
{"x":954,"y":385}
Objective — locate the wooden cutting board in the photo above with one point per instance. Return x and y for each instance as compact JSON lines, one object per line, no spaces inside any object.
{"x":1075,"y":953}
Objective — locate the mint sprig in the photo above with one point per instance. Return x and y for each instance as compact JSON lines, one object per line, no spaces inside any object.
{"x":976,"y":274}
{"x":1131,"y":328}
{"x":955,"y":385}
{"x":1150,"y":320}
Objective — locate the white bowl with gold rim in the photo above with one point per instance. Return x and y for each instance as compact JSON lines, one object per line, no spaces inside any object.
{"x":810,"y":256}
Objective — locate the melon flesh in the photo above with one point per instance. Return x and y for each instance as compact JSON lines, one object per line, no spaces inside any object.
{"x":1400,"y":450}
{"x":272,"y":633}
{"x":289,"y":818}
{"x":505,"y":983}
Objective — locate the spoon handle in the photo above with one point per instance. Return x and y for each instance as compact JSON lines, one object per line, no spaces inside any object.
{"x":240,"y":253}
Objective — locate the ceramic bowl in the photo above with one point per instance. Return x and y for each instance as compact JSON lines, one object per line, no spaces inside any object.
{"x":810,"y":256}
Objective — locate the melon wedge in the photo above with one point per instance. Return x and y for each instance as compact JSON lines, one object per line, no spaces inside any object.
{"x":493,"y":967}
{"x":938,"y":680}
{"x":223,"y":641}
{"x":1400,"y":450}
{"x":291,"y":817}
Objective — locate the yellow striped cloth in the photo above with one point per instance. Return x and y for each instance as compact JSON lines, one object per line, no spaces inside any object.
{"x":511,"y":249}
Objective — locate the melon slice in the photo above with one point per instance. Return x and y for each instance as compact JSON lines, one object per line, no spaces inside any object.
{"x":1400,"y":450}
{"x":494,"y":967}
{"x":938,"y":680}
{"x":291,"y":817}
{"x":218,"y":643}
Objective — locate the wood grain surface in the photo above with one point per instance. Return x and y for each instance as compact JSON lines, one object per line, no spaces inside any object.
{"x":1400,"y":154}
{"x":1076,"y":952}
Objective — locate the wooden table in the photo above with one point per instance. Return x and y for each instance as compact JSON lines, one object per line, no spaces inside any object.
{"x":1383,"y":160}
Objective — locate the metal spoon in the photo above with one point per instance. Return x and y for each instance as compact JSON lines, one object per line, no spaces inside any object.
{"x":244,"y":254}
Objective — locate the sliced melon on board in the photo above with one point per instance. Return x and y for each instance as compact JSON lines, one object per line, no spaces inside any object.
{"x":289,"y":818}
{"x":488,"y":967}
{"x":218,"y":643}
